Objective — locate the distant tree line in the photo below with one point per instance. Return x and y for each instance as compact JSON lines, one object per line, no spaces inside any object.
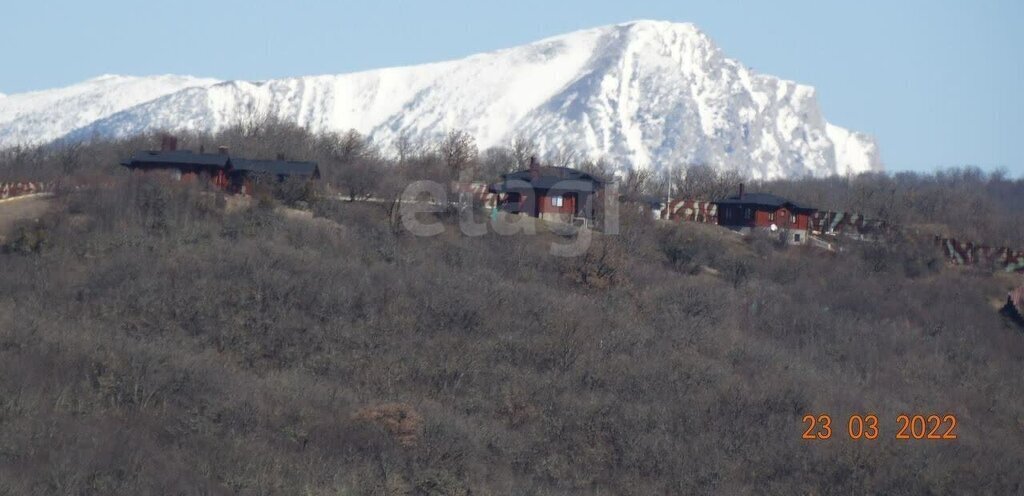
{"x":965,"y":202}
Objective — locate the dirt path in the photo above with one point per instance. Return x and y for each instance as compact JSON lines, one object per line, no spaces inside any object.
{"x":16,"y":209}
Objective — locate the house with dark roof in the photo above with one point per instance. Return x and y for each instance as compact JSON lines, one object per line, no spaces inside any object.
{"x":245,"y":173}
{"x":552,"y":193}
{"x":745,"y":212}
{"x":183,"y":165}
{"x":237,"y":175}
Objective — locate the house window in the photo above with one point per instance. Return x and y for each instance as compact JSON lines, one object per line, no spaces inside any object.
{"x":771,"y":216}
{"x":556,"y":201}
{"x":792,"y":218}
{"x":748,"y":214}
{"x":796,"y":237}
{"x":728,"y":214}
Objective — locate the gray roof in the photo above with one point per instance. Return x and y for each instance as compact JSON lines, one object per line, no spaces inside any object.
{"x":547,"y":183}
{"x":177,"y":157}
{"x":550,"y":178}
{"x":763,"y":200}
{"x":276,"y":167}
{"x":557,"y":173}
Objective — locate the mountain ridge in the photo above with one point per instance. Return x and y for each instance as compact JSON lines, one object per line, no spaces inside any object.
{"x":642,"y":93}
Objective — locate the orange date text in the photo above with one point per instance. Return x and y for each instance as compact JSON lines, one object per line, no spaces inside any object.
{"x":866,"y":426}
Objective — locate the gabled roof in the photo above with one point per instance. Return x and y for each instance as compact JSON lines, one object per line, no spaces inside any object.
{"x":552,"y":178}
{"x":553,"y":174}
{"x":762,"y":200}
{"x":177,"y":157}
{"x":276,"y":167}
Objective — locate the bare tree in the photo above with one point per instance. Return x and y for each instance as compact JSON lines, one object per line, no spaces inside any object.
{"x":352,"y":162}
{"x":361,"y":176}
{"x":459,"y":152}
{"x":638,"y":182}
{"x":404,"y":147}
{"x":563,"y":156}
{"x":704,"y":182}
{"x":522,"y":149}
{"x":70,"y":157}
{"x":496,"y":161}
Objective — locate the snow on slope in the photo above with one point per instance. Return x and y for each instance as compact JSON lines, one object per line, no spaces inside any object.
{"x":852,"y":148}
{"x":42,"y":116}
{"x":645,"y":94}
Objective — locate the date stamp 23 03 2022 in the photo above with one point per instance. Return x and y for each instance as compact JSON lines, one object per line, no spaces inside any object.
{"x":932,"y":427}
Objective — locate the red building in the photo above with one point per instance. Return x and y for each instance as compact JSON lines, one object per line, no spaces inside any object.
{"x":748,"y":211}
{"x":237,"y":175}
{"x":552,"y":193}
{"x":183,"y":165}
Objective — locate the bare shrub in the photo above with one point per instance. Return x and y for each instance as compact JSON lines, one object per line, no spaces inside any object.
{"x":398,"y":419}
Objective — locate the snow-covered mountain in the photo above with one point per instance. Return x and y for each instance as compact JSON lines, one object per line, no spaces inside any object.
{"x":42,"y":116}
{"x":645,"y":94}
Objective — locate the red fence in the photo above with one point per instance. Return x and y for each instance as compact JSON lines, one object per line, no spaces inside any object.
{"x":691,"y":210}
{"x":11,"y":190}
{"x":821,"y":221}
{"x":968,"y":253}
{"x":828,"y":222}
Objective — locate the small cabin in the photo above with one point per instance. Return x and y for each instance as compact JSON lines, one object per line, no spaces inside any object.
{"x":551,"y":193}
{"x":748,"y":211}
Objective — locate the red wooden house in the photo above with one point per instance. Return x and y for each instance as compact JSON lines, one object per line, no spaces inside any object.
{"x":183,"y":165}
{"x":748,"y":211}
{"x":552,"y":193}
{"x":237,"y":175}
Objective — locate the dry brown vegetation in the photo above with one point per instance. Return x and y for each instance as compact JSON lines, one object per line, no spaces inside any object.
{"x":158,"y":342}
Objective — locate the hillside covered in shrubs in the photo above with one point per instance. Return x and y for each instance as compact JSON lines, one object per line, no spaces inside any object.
{"x":161,"y":338}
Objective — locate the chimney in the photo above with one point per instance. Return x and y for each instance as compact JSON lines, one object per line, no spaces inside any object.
{"x":223,"y":150}
{"x":534,"y":168}
{"x":741,"y":191}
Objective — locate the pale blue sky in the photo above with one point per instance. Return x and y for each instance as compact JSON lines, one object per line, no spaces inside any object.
{"x":938,"y":82}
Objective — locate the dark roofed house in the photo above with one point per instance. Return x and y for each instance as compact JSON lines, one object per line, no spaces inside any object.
{"x":747,"y":211}
{"x":182,"y":165}
{"x":177,"y":159}
{"x":246,"y":172}
{"x":225,"y":172}
{"x":551,"y":193}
